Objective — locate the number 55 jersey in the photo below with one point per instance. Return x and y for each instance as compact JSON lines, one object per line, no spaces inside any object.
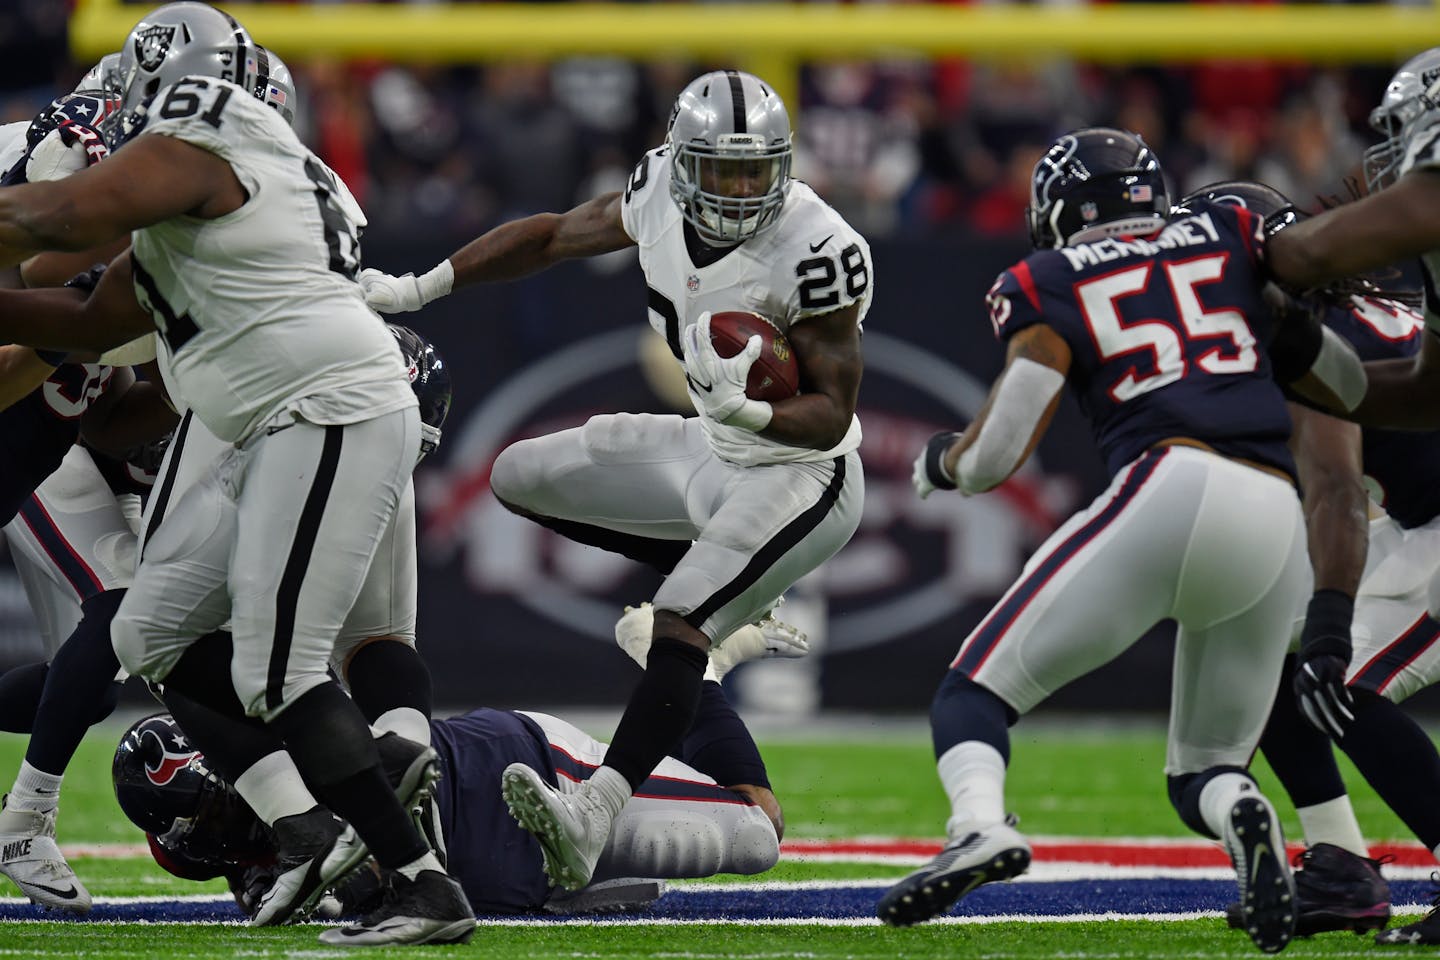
{"x":1166,"y":335}
{"x":809,"y":262}
{"x":258,"y":310}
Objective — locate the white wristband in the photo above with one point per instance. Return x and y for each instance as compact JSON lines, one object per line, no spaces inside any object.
{"x":437,"y":282}
{"x":753,"y":415}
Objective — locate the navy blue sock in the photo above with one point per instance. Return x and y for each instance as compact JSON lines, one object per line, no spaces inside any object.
{"x":963,"y":710}
{"x":1398,"y":760}
{"x":1299,"y":754}
{"x":82,"y":672}
{"x":719,"y":745}
{"x":20,"y":690}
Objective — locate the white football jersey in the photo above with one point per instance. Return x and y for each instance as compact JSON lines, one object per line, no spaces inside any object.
{"x":808,"y":262}
{"x":259,"y":310}
{"x":1423,"y":153}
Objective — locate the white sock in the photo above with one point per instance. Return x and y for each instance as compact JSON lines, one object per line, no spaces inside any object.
{"x":611,"y":789}
{"x":274,"y":788}
{"x":1219,"y":795}
{"x":406,"y":721}
{"x":973,"y":775}
{"x":1333,"y":822}
{"x":35,"y":789}
{"x":427,"y":862}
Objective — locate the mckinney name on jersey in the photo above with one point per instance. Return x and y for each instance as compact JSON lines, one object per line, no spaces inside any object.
{"x":809,"y":262}
{"x":1189,"y":232}
{"x":258,"y":310}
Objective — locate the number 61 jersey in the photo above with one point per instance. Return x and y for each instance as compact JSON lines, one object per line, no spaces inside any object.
{"x":258,"y":310}
{"x":808,"y":262}
{"x":1166,"y":335}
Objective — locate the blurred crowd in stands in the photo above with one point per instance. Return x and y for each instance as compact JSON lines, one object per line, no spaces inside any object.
{"x":905,"y":146}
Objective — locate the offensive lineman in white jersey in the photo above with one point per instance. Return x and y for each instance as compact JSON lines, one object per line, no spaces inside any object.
{"x":734,"y":505}
{"x":244,"y":253}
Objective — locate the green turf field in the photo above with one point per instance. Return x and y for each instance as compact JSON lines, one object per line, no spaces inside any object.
{"x":1066,"y":779}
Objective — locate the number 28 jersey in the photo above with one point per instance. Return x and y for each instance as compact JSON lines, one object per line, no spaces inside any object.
{"x":258,"y":310}
{"x":808,"y":262}
{"x":1166,"y":335}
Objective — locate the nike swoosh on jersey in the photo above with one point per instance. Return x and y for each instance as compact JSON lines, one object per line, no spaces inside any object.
{"x":815,"y":247}
{"x":70,"y":894}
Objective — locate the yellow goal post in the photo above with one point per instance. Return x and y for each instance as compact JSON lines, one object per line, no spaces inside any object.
{"x":772,"y":39}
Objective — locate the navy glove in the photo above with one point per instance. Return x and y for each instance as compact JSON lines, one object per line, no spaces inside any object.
{"x":1324,"y":659}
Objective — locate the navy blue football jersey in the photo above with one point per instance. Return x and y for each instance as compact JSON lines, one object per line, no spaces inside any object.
{"x":37,"y":432}
{"x":1166,"y":335}
{"x":1402,"y":465}
{"x":497,"y":862}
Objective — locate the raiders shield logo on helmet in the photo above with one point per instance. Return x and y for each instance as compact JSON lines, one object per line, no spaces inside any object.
{"x":151,"y":46}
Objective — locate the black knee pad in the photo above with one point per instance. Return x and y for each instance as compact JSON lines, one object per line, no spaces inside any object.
{"x":1185,"y":792}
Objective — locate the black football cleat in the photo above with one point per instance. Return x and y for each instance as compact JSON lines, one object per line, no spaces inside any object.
{"x":317,"y":851}
{"x":1334,"y":890}
{"x":1426,"y":930}
{"x":429,"y":909}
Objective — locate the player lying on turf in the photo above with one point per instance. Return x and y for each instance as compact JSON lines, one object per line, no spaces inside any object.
{"x":681,"y":823}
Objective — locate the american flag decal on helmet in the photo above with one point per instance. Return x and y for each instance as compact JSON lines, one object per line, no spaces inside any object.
{"x":1141,"y":193}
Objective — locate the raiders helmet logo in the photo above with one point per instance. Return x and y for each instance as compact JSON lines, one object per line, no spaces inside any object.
{"x":151,"y":46}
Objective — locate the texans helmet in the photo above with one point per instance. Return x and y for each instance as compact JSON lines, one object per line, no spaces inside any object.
{"x":1093,"y":183}
{"x":730,"y":150}
{"x":430,"y":379}
{"x":1410,"y":105}
{"x":1272,"y":206}
{"x":165,"y":787}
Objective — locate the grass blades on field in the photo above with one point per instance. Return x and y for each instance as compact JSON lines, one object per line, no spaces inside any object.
{"x":1111,"y":940}
{"x":1075,"y":779}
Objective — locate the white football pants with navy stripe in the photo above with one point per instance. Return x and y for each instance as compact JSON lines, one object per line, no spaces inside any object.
{"x":387,"y":601}
{"x":277,"y":535}
{"x":1180,"y":533}
{"x":755,"y":530}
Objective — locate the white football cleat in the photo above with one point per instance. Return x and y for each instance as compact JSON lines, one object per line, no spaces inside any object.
{"x":572,"y":827}
{"x":30,"y":856}
{"x":1267,"y":888}
{"x":996,"y":852}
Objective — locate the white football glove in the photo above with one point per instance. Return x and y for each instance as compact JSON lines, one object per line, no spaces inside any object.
{"x":408,"y":293}
{"x":928,"y":474}
{"x":764,"y":640}
{"x":720,"y":381}
{"x":62,"y":153}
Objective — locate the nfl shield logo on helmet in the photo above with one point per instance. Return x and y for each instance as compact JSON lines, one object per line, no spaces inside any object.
{"x":1089,"y":211}
{"x":1141,"y":193}
{"x":151,"y":46}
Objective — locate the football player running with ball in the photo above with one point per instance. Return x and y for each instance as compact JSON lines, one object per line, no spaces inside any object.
{"x":734,"y":505}
{"x":1159,"y":326}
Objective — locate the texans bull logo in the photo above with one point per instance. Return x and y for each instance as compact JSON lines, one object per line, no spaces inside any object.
{"x":162,"y":763}
{"x":151,"y":46}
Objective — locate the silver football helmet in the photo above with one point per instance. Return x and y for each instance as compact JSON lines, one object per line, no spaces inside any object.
{"x":274,"y":84}
{"x":178,"y":40}
{"x":1411,"y":103}
{"x":730,"y":151}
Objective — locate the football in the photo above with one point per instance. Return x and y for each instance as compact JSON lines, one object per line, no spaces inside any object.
{"x":775,"y":375}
